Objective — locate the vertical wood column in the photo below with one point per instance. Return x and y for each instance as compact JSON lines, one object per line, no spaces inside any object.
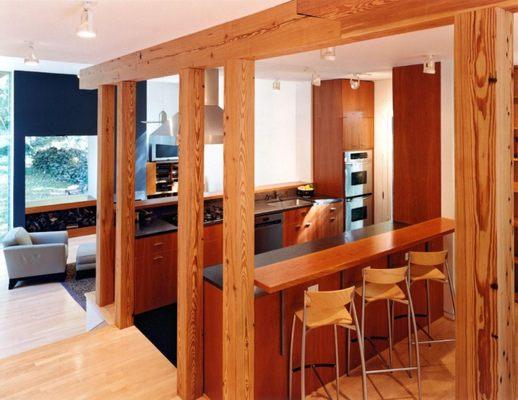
{"x":238,"y":231}
{"x":484,"y":197}
{"x":125,"y":204}
{"x":190,"y":235}
{"x":105,"y":226}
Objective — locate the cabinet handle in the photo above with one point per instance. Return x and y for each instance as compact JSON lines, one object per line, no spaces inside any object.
{"x":307,"y":225}
{"x":158,"y":258}
{"x":333,"y":208}
{"x":157,"y":244}
{"x":298,"y":226}
{"x":332,"y":219}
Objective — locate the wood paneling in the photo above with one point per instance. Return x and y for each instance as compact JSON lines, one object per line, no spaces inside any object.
{"x":358,"y":131}
{"x":105,"y":224}
{"x":190,"y":235}
{"x":296,"y":271}
{"x":417,"y":144}
{"x":213,"y":245}
{"x":484,"y":205}
{"x":279,"y":31}
{"x":238,"y":231}
{"x":358,"y":100}
{"x":328,"y":161}
{"x":125,"y":206}
{"x":156,"y":260}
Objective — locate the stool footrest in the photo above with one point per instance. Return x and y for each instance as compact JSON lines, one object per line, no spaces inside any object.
{"x":384,"y":371}
{"x":315,"y":365}
{"x":436,"y":341}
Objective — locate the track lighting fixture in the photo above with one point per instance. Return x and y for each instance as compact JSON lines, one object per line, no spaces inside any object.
{"x":355,"y":82}
{"x":31,"y":59}
{"x":328,"y":53}
{"x":86,"y":27}
{"x":315,"y":79}
{"x":276,"y":85}
{"x":429,"y":65}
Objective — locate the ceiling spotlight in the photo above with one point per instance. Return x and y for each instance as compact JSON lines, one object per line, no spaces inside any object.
{"x":355,"y":82}
{"x":86,"y":27}
{"x":276,"y":85}
{"x":328,"y":53}
{"x":429,"y":65}
{"x":31,"y":59}
{"x":315,"y":79}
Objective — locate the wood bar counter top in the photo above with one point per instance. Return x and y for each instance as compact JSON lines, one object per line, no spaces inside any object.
{"x":295,"y":271}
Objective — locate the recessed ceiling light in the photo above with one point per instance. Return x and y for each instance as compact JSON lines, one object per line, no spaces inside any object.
{"x":31,"y":59}
{"x":328,"y":53}
{"x":276,"y":85}
{"x":355,"y":82}
{"x":86,"y":27}
{"x":429,"y":65}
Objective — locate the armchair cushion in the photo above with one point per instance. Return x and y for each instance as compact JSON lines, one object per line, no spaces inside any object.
{"x":35,"y":260}
{"x":49,"y":237}
{"x":17,"y":237}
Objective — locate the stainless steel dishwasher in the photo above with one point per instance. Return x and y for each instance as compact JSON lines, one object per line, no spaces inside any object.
{"x":268,"y":232}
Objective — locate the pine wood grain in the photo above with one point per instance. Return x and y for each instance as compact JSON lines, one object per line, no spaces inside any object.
{"x":125,"y":206}
{"x":238,"y":231}
{"x":190,"y":234}
{"x":484,"y":204}
{"x":296,"y":271}
{"x":105,"y":224}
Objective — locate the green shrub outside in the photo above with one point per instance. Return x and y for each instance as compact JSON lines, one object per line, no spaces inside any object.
{"x":66,"y":165}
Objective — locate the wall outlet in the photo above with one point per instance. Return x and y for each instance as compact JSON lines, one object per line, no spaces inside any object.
{"x":313,"y":288}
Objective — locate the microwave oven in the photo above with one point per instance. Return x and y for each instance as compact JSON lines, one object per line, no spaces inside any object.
{"x":163,"y":152}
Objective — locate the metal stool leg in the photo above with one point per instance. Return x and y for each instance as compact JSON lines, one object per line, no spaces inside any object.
{"x":418,"y":360}
{"x":348,"y":366}
{"x":290,"y":393}
{"x":428,"y":309}
{"x":389,"y":324}
{"x":451,"y":286}
{"x":409,"y":341}
{"x":361,"y":348}
{"x":337,"y":367}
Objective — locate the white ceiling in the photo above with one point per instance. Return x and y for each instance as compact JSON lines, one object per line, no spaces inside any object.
{"x":124,"y":26}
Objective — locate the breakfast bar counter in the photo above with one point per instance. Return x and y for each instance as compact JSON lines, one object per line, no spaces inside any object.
{"x":282,"y":275}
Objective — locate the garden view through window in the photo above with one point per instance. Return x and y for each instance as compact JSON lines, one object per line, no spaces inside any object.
{"x":5,"y":150}
{"x":59,"y":168}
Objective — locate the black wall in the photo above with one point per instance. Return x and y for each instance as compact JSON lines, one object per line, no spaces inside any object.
{"x":48,"y":104}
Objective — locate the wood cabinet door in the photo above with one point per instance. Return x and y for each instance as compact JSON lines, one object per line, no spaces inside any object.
{"x":358,"y":131}
{"x":155,"y":272}
{"x":331,"y":220}
{"x":213,"y":245}
{"x":300,"y":225}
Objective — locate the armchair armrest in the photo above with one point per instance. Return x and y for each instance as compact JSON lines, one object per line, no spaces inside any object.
{"x":49,"y":237}
{"x":34,"y":260}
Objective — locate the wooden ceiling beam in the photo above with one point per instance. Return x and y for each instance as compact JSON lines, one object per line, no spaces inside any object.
{"x":292,"y":27}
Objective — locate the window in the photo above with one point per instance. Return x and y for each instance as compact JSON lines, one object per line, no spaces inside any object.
{"x":5,"y":150}
{"x":59,"y":169}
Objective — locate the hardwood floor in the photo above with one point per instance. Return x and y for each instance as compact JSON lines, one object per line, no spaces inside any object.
{"x":106,"y":363}
{"x":36,"y":315}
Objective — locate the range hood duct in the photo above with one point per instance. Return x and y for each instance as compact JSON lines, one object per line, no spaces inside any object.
{"x":213,"y":112}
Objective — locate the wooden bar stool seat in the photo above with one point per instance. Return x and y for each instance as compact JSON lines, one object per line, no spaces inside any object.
{"x":385,"y":285}
{"x":422,"y":272}
{"x":324,"y":309}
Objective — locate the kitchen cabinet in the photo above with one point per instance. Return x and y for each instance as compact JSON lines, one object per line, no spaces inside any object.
{"x":358,"y":131}
{"x":155,"y":271}
{"x":311,"y":223}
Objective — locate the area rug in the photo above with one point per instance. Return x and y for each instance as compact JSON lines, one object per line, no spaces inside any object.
{"x":78,"y":288}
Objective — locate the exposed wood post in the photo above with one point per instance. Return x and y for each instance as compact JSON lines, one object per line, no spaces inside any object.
{"x":125,"y":204}
{"x":238,"y":231}
{"x":484,"y":197}
{"x":105,"y":226}
{"x":190,"y":235}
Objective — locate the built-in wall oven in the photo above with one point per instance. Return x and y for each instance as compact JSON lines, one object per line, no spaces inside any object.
{"x":358,"y":189}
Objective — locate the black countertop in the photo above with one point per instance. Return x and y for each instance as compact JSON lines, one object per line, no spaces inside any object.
{"x":214,"y":274}
{"x":262,"y":207}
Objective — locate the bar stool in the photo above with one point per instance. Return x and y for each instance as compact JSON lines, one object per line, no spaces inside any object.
{"x":325,"y":308}
{"x":383,"y":285}
{"x":423,"y":267}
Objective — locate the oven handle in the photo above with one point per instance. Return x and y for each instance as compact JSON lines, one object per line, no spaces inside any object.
{"x":365,"y":196}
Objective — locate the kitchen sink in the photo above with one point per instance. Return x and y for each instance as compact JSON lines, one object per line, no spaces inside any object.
{"x":290,"y":203}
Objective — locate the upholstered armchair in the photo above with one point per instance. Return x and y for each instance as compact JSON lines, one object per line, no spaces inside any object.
{"x":35,"y":255}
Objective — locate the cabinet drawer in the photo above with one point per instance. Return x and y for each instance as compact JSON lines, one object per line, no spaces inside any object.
{"x":165,"y":242}
{"x":298,"y":216}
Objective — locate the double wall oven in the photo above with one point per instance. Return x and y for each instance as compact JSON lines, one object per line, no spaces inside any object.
{"x":358,"y":189}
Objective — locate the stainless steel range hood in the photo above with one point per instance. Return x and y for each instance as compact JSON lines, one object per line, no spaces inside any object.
{"x":213,"y":112}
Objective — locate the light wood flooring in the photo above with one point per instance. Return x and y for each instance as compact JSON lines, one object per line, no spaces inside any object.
{"x":106,"y":363}
{"x":35,"y":315}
